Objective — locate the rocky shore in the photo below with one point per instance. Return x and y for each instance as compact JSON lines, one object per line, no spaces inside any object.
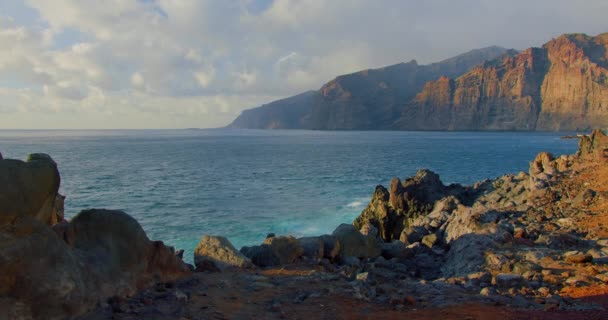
{"x":532,"y":245}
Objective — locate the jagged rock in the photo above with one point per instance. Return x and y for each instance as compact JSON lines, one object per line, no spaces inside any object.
{"x":543,"y":163}
{"x":220,"y":252}
{"x":465,"y":220}
{"x":368,"y":229}
{"x":594,"y":146}
{"x":28,"y":188}
{"x":355,"y":244}
{"x":314,"y":247}
{"x":393,"y":211}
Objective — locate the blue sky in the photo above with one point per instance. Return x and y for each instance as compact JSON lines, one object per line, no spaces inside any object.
{"x":199,"y":63}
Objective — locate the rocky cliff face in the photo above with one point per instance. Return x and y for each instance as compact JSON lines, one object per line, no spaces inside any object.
{"x":574,"y":92}
{"x":369,"y":99}
{"x":561,"y":86}
{"x":498,"y":95}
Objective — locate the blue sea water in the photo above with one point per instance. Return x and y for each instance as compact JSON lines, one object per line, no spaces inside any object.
{"x":182,"y":184}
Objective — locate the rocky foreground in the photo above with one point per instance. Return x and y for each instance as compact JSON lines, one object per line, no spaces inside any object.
{"x":527,"y":246}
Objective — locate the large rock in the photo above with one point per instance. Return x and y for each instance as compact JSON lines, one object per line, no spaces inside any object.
{"x":594,"y":146}
{"x":393,"y":210}
{"x":274,"y":251}
{"x":355,"y":244}
{"x":107,"y":254}
{"x":29,"y":189}
{"x":42,"y":277}
{"x":313,"y":247}
{"x":331,"y":246}
{"x":117,"y":249}
{"x":220,"y":252}
{"x":467,"y":255}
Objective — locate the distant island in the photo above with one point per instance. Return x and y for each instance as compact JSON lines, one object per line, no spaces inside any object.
{"x":562,"y":86}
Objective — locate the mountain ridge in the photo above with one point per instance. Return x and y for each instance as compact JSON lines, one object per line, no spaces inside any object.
{"x":562,"y":85}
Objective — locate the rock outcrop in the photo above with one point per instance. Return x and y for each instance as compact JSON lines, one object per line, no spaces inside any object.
{"x":58,"y":272}
{"x":219,"y":252}
{"x":391,"y":211}
{"x":29,"y":189}
{"x":594,"y":146}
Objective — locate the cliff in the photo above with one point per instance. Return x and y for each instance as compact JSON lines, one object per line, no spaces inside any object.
{"x":289,"y":113}
{"x":369,"y":99}
{"x":561,"y":86}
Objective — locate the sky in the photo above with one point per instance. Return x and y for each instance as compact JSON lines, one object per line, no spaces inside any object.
{"x":91,"y":64}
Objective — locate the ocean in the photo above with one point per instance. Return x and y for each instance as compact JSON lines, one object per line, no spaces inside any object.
{"x":244,"y":184}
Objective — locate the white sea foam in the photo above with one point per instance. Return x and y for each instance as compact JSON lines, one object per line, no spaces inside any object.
{"x":355,"y":204}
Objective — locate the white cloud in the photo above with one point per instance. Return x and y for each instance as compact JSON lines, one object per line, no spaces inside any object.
{"x":137,"y":80}
{"x":204,"y":77}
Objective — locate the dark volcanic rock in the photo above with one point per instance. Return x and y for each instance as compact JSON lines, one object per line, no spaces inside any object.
{"x":355,"y":244}
{"x":29,"y":188}
{"x":392,"y":211}
{"x":274,"y":251}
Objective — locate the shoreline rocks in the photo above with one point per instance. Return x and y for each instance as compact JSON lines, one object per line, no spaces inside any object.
{"x":53,"y":269}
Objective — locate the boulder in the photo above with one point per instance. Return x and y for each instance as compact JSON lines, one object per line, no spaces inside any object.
{"x":42,"y":277}
{"x":274,"y":251}
{"x":286,"y":248}
{"x":220,"y":252}
{"x":395,"y":249}
{"x":28,"y":189}
{"x":355,"y":244}
{"x":467,"y":255}
{"x":261,"y":256}
{"x":118,"y":250}
{"x":314,"y":247}
{"x":331,"y":246}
